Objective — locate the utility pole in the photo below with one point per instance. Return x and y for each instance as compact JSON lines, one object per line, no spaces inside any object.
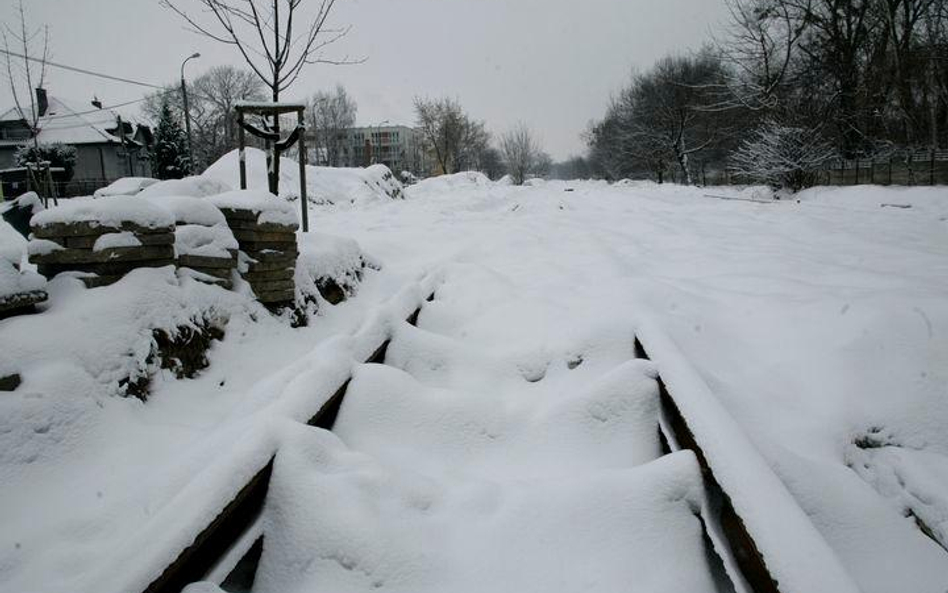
{"x":187,"y":112}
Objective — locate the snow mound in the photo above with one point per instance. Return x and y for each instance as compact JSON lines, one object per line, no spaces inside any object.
{"x":189,"y":210}
{"x":610,"y":425}
{"x":337,"y":258}
{"x":455,"y":181}
{"x":126,"y":186}
{"x":114,"y":241}
{"x":340,"y":521}
{"x":108,"y":212}
{"x":268,"y":207}
{"x":15,"y":218}
{"x":206,"y":241}
{"x":198,"y":186}
{"x":12,"y":243}
{"x":324,"y":185}
{"x":13,"y":281}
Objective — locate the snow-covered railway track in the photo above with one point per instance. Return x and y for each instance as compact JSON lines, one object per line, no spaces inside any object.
{"x":227,"y":534}
{"x":731,"y":521}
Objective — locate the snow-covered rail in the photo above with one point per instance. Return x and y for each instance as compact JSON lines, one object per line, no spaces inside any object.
{"x":766,"y":540}
{"x":234,"y":532}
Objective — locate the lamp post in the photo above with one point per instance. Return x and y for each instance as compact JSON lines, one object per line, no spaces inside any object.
{"x":187,"y":112}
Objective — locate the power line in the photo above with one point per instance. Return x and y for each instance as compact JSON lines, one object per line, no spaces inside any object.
{"x":82,"y":70}
{"x":164,"y":89}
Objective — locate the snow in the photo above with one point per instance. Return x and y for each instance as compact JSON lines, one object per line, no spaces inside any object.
{"x":126,"y":186}
{"x":324,"y":185}
{"x":101,"y":492}
{"x":12,"y":243}
{"x":510,"y":442}
{"x":341,"y":521}
{"x":189,"y":209}
{"x":42,"y":247}
{"x":337,"y":258}
{"x":13,"y":281}
{"x":801,"y":325}
{"x":268,"y":207}
{"x":108,"y":212}
{"x":206,"y":241}
{"x":269,"y":104}
{"x":116,"y":240}
{"x":30,"y":198}
{"x":463,"y":180}
{"x":197,"y":186}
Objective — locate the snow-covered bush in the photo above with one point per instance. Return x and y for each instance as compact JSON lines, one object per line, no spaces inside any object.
{"x":782,"y":156}
{"x":56,"y":154}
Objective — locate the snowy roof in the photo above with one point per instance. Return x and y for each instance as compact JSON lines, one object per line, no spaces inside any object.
{"x":63,"y":123}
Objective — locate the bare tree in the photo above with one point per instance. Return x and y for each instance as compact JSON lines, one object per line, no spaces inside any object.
{"x":221,"y":88}
{"x":760,"y":47}
{"x":331,"y":113}
{"x":454,"y":139}
{"x":271,"y":41}
{"x":521,"y":153}
{"x":25,"y":78}
{"x":213,"y":96}
{"x":27,"y":81}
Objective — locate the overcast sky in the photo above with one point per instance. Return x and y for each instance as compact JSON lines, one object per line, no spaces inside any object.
{"x":549,"y":63}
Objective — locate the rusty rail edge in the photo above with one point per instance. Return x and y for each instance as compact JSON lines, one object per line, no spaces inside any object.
{"x":750,"y":562}
{"x":213,"y":542}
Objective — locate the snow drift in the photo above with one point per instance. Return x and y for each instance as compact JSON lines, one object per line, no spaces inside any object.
{"x":324,"y":185}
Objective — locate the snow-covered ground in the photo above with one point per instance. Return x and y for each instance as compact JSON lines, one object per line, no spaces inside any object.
{"x":511,"y":444}
{"x":814,"y":323}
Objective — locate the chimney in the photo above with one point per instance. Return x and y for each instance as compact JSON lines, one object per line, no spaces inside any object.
{"x":42,"y":103}
{"x":96,"y":103}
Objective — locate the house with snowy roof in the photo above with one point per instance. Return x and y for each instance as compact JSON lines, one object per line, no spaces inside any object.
{"x":107,"y":147}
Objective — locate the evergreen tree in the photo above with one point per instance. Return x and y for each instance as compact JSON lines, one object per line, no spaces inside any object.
{"x":170,"y":159}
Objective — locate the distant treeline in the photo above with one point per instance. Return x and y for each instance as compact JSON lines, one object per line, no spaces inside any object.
{"x":787,"y":88}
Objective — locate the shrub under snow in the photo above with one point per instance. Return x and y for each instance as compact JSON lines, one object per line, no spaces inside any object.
{"x":783,"y":156}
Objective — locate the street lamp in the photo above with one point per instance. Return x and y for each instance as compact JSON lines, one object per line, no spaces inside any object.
{"x":187,"y":112}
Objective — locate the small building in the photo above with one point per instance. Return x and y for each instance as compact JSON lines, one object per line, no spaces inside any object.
{"x":107,"y":147}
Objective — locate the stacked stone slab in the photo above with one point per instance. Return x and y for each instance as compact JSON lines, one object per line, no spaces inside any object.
{"x":77,"y":251}
{"x":103,"y":239}
{"x":205,"y":247}
{"x":271,"y":252}
{"x":265,"y":228}
{"x":211,"y":252}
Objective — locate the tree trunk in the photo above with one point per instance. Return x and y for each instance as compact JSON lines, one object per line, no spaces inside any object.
{"x":682,"y":157}
{"x":273,"y":156}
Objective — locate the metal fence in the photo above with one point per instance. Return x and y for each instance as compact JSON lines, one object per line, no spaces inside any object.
{"x":67,"y":189}
{"x":919,"y":167}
